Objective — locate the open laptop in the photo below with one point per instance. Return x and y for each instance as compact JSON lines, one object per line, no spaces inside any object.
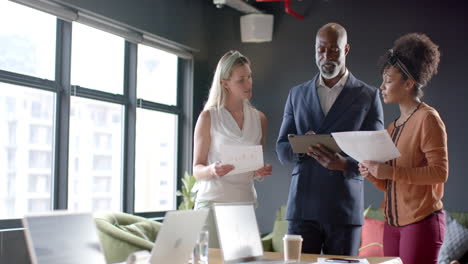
{"x":238,"y":234}
{"x":63,"y":238}
{"x":177,"y":237}
{"x":71,"y":238}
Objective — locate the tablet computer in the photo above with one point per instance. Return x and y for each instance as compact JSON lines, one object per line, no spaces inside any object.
{"x":301,"y":143}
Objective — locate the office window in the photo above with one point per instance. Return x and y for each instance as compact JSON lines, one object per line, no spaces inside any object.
{"x":11,"y":185}
{"x":157,"y":75}
{"x":102,"y":184}
{"x":97,"y":59}
{"x":102,"y":163}
{"x":103,"y":141}
{"x":10,"y":105}
{"x":37,"y":205}
{"x":96,"y":151}
{"x":22,"y":154}
{"x":154,"y":163}
{"x":40,"y":109}
{"x":101,"y":204}
{"x":90,"y":139}
{"x":11,"y":159}
{"x":27,"y":46}
{"x":12,"y":133}
{"x":40,"y":134}
{"x":39,"y":183}
{"x":40,"y":159}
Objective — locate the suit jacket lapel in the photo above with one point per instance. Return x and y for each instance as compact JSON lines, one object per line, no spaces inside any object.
{"x":312,"y":103}
{"x":342,"y":102}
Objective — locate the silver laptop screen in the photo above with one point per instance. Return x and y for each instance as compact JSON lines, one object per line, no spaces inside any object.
{"x":63,"y":239}
{"x":238,"y":231}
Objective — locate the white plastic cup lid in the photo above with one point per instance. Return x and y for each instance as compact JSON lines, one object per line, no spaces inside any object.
{"x":292,"y":237}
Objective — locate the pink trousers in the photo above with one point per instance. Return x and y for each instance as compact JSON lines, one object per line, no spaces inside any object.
{"x":418,"y":243}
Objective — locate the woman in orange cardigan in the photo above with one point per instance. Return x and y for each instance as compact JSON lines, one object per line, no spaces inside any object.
{"x":413,"y":184}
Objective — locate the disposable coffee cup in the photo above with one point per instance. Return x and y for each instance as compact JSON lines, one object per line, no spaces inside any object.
{"x":292,"y":247}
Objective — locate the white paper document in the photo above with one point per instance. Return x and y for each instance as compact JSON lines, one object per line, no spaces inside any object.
{"x":367,"y":145}
{"x":342,"y":260}
{"x":244,"y":158}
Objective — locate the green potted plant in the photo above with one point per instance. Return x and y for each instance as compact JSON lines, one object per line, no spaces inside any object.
{"x":187,"y":192}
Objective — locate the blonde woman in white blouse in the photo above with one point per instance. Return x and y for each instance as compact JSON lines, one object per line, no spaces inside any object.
{"x":228,"y":118}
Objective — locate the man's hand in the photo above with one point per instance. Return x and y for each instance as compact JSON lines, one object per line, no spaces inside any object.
{"x":219,"y":169}
{"x":328,"y":159}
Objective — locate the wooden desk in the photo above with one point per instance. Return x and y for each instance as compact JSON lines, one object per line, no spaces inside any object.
{"x":215,"y":257}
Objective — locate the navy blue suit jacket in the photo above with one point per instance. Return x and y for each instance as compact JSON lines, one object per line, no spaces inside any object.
{"x":316,"y":193}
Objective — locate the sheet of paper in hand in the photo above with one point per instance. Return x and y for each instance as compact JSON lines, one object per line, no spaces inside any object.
{"x":244,"y":158}
{"x":367,"y":145}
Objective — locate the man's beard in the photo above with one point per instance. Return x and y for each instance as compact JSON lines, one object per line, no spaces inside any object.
{"x":329,"y":69}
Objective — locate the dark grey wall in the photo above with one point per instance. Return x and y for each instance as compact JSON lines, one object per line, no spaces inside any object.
{"x":372,"y":27}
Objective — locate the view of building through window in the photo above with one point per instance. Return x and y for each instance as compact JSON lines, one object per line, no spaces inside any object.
{"x":157,"y":75}
{"x":95,"y":159}
{"x":155,"y":163}
{"x":97,"y":59}
{"x":25,"y":47}
{"x":156,"y":132}
{"x":28,"y":119}
{"x":26,"y":150}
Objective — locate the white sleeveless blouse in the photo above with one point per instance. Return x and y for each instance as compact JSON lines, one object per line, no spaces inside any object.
{"x":225,"y":131}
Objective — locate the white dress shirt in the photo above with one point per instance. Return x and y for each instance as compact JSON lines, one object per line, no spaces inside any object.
{"x":327,"y":95}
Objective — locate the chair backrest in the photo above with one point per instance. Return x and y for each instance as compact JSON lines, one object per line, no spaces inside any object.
{"x":122,"y":234}
{"x":280,"y":228}
{"x":461,"y":217}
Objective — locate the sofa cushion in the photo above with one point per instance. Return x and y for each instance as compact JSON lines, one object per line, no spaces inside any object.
{"x":455,"y":243}
{"x":143,"y":229}
{"x":372,"y":238}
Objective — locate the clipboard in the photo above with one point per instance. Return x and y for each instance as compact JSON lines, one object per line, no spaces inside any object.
{"x":301,"y":143}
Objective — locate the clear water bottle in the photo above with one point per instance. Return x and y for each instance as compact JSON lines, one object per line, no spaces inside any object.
{"x":200,"y":252}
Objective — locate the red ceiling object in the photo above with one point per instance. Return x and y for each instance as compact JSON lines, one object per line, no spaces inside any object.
{"x":287,"y":7}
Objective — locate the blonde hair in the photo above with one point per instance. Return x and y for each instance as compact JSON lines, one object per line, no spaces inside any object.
{"x":229,"y":61}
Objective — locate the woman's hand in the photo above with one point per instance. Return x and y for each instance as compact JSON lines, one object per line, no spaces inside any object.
{"x":364,"y":171}
{"x":219,"y":169}
{"x":265,"y":171}
{"x":377,"y":169}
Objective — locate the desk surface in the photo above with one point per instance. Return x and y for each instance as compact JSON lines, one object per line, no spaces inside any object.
{"x":215,"y":257}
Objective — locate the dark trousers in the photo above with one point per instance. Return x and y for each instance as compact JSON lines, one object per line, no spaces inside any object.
{"x":418,"y":243}
{"x":326,"y":238}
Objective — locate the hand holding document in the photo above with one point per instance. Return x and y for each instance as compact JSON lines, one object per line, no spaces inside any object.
{"x":244,"y":158}
{"x":367,"y":145}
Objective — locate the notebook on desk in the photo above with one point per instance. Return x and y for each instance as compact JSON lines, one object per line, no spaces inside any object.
{"x":239,"y":236}
{"x":63,"y":238}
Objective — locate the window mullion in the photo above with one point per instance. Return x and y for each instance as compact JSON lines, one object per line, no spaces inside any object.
{"x":185,"y":127}
{"x":128,"y":189}
{"x":62,"y":135}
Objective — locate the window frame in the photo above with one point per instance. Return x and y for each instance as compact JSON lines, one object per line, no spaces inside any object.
{"x":63,"y":90}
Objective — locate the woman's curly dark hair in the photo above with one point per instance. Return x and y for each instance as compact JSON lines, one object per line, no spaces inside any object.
{"x":419,"y":54}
